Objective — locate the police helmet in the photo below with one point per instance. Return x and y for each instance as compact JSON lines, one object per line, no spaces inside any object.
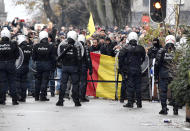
{"x":81,"y":38}
{"x":72,"y":35}
{"x":21,"y":38}
{"x":5,"y":33}
{"x":170,"y":39}
{"x":133,"y":36}
{"x":42,"y":35}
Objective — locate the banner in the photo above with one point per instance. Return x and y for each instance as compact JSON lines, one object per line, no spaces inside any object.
{"x":91,"y":27}
{"x":105,"y":77}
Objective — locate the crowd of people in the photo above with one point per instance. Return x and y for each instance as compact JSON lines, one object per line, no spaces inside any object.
{"x":65,"y":54}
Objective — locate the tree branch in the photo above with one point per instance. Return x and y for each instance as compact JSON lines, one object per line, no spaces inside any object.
{"x":49,"y":12}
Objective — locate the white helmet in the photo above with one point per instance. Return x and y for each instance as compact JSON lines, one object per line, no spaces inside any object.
{"x":170,"y":39}
{"x":42,"y":35}
{"x":21,"y":38}
{"x":133,"y":36}
{"x":72,"y":35}
{"x":5,"y":33}
{"x":81,"y":38}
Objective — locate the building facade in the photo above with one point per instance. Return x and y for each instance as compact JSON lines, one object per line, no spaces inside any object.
{"x":3,"y":14}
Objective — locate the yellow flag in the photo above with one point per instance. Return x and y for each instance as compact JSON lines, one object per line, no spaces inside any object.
{"x":91,"y":27}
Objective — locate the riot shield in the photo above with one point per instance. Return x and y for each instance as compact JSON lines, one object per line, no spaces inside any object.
{"x":145,"y":64}
{"x":20,"y":59}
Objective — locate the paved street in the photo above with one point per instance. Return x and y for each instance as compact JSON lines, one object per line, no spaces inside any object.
{"x":98,"y":115}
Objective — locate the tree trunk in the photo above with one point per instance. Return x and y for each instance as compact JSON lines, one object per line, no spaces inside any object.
{"x":101,"y":11}
{"x":109,"y":13}
{"x":49,"y":12}
{"x":122,"y":12}
{"x":92,"y":7}
{"x":61,"y":17}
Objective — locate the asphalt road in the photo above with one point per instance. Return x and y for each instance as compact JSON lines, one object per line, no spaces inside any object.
{"x":97,"y":115}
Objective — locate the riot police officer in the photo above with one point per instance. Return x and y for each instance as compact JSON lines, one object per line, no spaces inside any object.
{"x":43,"y":55}
{"x":22,"y":72}
{"x":86,"y":64}
{"x":163,"y":65}
{"x":71,"y":63}
{"x":152,"y":52}
{"x":131,"y":58}
{"x":9,"y":52}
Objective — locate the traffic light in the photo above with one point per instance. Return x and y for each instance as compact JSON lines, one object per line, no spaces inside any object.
{"x":158,"y":10}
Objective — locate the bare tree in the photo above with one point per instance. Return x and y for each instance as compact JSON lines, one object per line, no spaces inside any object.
{"x":76,"y":12}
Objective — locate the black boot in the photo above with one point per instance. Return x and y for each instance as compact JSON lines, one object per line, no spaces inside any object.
{"x":77,"y":103}
{"x":59,"y":103}
{"x":37,"y":98}
{"x":139,"y":104}
{"x":129,"y":105}
{"x":22,"y":100}
{"x":84,"y":100}
{"x":164,"y":111}
{"x":175,"y":110}
{"x":15,"y":102}
{"x":44,"y":99}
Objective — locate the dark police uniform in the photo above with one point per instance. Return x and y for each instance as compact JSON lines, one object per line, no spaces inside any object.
{"x":71,"y":63}
{"x":86,"y":64}
{"x":130,"y":61}
{"x":43,"y":55}
{"x":152,"y":52}
{"x":163,"y":65}
{"x":9,"y":52}
{"x":123,"y":93}
{"x":22,"y":72}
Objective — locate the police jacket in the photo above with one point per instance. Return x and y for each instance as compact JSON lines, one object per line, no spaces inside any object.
{"x":8,"y":50}
{"x":164,"y":63}
{"x":70,"y":54}
{"x":43,"y":51}
{"x":27,"y":51}
{"x":131,"y":59}
{"x":152,"y":52}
